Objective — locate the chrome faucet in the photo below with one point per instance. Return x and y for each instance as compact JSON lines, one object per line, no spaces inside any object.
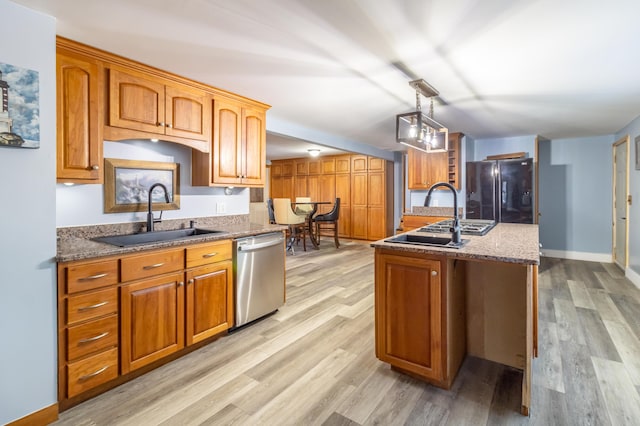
{"x":455,"y":229}
{"x":150,"y":219}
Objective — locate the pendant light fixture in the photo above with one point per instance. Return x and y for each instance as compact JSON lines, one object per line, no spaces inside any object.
{"x":418,"y":130}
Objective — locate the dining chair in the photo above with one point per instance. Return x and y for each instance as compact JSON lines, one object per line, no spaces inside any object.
{"x":272,"y":216}
{"x":328,"y":222}
{"x":284,"y":215}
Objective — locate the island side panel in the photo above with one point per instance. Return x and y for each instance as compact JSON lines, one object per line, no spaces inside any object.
{"x":455,"y":317}
{"x":496,"y":312}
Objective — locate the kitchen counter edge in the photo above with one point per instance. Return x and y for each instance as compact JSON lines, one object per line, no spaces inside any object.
{"x":72,"y":249}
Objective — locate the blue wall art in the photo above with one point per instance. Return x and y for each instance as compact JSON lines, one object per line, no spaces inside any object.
{"x":19,"y":107}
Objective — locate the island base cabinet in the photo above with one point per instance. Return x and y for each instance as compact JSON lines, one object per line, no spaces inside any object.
{"x":419,"y":315}
{"x":152,"y":320}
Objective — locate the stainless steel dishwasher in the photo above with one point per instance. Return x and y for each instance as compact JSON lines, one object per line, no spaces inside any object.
{"x":259,"y":276}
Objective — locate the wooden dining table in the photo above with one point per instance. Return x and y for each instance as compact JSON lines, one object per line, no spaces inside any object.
{"x":310,"y":215}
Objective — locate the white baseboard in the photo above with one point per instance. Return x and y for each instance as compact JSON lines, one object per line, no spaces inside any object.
{"x":579,"y":255}
{"x":633,"y":276}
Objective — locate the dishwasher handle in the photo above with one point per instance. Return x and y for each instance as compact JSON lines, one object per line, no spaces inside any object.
{"x":251,"y":247}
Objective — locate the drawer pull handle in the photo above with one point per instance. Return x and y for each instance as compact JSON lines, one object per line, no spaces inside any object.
{"x":208,"y":255}
{"x":88,"y":308}
{"x":93,"y":339}
{"x":157,"y":265}
{"x":94,"y":374}
{"x":93,"y":277}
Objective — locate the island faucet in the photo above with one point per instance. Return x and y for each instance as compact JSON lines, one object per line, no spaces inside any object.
{"x":455,"y":228}
{"x":150,"y":219}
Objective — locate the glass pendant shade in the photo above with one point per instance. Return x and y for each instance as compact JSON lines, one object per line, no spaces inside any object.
{"x":419,"y":131}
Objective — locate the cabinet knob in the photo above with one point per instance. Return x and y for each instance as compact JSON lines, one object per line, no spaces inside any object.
{"x":169,"y":126}
{"x":190,"y":281}
{"x":95,"y":167}
{"x":161,"y":124}
{"x":434,"y":273}
{"x":180,"y":283}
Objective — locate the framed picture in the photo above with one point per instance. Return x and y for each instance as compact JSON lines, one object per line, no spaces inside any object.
{"x":127,"y":183}
{"x":19,"y":107}
{"x":637,"y":152}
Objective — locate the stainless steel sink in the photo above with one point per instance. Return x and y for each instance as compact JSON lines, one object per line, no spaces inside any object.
{"x":426,"y":240}
{"x":154,"y":237}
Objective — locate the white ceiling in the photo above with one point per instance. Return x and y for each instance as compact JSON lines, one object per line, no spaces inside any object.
{"x":557,"y":68}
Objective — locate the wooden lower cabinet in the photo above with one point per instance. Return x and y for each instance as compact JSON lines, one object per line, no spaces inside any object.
{"x":121,"y":313}
{"x":209,"y":301}
{"x":152,"y":320}
{"x":416,"y":330}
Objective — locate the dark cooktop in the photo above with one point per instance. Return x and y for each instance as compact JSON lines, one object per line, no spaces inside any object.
{"x":467,"y":226}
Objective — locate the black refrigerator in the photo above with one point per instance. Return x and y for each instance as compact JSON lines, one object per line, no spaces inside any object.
{"x":501,"y":190}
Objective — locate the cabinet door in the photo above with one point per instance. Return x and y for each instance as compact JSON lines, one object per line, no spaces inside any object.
{"x":254,"y":147}
{"x":188,"y":113}
{"x":327,"y":192}
{"x":343,"y":164}
{"x":359,"y":205}
{"x":343,"y":191}
{"x":376,"y":198}
{"x":152,"y":320}
{"x":408,"y":314}
{"x":79,"y":122}
{"x":136,"y":102}
{"x":417,"y":165}
{"x":437,"y":167}
{"x":375,"y":164}
{"x":358,"y":163}
{"x":301,"y":167}
{"x":300,"y":186}
{"x":313,"y":187}
{"x":227,"y":147}
{"x":209,"y":301}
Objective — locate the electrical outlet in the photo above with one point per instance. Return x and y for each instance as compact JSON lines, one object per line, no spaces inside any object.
{"x":221,"y":207}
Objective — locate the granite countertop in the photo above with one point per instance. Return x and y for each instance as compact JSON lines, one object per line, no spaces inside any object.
{"x":77,"y":245}
{"x":506,"y":242}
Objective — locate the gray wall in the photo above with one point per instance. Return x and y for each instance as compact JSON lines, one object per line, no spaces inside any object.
{"x":575,"y":196}
{"x":633,"y":130}
{"x":28,"y":370}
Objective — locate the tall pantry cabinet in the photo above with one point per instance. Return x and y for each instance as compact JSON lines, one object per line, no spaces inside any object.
{"x":364,"y":185}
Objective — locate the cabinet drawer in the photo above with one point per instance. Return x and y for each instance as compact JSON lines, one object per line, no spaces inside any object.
{"x":88,"y":276}
{"x":92,"y":337}
{"x":208,"y":253}
{"x":146,"y":265}
{"x":413,"y":222}
{"x":92,"y":305}
{"x":91,"y":372}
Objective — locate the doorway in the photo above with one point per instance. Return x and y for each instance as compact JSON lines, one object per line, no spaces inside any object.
{"x":620,"y":202}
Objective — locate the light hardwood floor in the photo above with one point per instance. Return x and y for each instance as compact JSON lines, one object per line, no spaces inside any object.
{"x":313,"y":361}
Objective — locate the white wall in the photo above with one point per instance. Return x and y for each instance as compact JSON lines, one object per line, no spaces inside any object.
{"x":84,"y":204}
{"x":28,"y":362}
{"x":633,"y":271}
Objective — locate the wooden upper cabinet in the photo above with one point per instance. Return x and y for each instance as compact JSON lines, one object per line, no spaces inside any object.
{"x":79,"y":122}
{"x":315,"y":167}
{"x":358,"y":163}
{"x":343,"y":164}
{"x":375,"y":164}
{"x":427,"y":169}
{"x":301,"y":167}
{"x":328,"y":165}
{"x":254,"y":147}
{"x":238,"y":154}
{"x":157,"y":106}
{"x":227,"y":146}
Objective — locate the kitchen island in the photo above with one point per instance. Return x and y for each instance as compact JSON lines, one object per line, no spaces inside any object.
{"x":435,"y":305}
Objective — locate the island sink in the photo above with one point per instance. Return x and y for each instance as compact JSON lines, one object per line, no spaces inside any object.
{"x":154,"y":237}
{"x":425,"y":240}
